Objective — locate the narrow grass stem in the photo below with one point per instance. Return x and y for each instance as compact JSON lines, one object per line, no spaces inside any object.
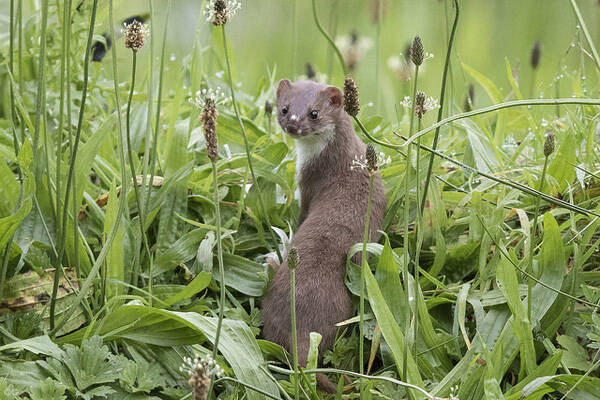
{"x":154,"y":150}
{"x":143,"y":238}
{"x":356,"y":375}
{"x":364,"y":264}
{"x":329,"y":39}
{"x":294,"y":332}
{"x":586,"y":32}
{"x":527,"y":274}
{"x":419,"y":233}
{"x":442,"y":98}
{"x":40,"y":107}
{"x":123,"y":198}
{"x":247,"y":145}
{"x":61,"y":245}
{"x":220,"y":260}
{"x":496,"y":107}
{"x":532,"y":239}
{"x":513,"y":184}
{"x":406,"y":233}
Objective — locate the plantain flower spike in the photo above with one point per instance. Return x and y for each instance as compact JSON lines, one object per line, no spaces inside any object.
{"x":417,"y":51}
{"x":371,"y":157}
{"x":219,"y":12}
{"x":351,"y":100}
{"x":268,"y":108}
{"x":135,"y":35}
{"x":292,"y":258}
{"x":420,"y":109}
{"x":549,"y":144}
{"x":209,"y":124}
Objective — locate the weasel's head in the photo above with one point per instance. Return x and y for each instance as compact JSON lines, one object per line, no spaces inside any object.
{"x":308,"y":109}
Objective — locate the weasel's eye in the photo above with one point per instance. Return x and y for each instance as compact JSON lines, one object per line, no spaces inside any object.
{"x":284,"y":110}
{"x":314,"y":114}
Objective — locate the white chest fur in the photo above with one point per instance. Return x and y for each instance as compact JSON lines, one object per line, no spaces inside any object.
{"x":309,"y":147}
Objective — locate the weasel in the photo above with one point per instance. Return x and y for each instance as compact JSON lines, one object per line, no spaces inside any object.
{"x":333,"y":204}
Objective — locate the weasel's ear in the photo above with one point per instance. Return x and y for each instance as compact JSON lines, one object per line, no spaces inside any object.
{"x":284,"y":85}
{"x":335,"y":96}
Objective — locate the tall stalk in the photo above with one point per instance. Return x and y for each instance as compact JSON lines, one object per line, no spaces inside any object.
{"x":548,"y":149}
{"x":154,"y":149}
{"x":246,"y":144}
{"x":364,"y":264}
{"x":406,"y":224}
{"x":62,"y":238}
{"x":442,"y":98}
{"x":586,"y":32}
{"x":220,"y":259}
{"x":328,"y":38}
{"x":40,"y":107}
{"x":292,"y":264}
{"x":143,"y":238}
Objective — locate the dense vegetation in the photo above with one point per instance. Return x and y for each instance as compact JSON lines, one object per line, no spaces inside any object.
{"x":123,"y":241}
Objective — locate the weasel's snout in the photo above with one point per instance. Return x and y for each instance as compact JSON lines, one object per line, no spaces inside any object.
{"x":293,"y":128}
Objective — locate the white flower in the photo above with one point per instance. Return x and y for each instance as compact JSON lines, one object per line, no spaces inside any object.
{"x":217,"y":95}
{"x":202,"y":365}
{"x":430,"y":103}
{"x":219,"y":12}
{"x":360,"y":162}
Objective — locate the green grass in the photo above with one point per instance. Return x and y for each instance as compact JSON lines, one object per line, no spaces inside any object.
{"x":105,"y":287}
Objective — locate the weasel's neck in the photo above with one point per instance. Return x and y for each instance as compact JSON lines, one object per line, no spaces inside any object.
{"x":327,"y":154}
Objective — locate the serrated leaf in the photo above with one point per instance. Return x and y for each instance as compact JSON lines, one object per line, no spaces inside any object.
{"x":136,"y":377}
{"x":90,"y":364}
{"x":48,"y":390}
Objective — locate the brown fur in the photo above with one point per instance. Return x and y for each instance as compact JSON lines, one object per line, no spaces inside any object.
{"x":333,"y":206}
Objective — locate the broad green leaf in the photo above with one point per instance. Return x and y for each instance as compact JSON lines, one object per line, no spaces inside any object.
{"x":36,"y":345}
{"x":579,"y":387}
{"x":547,"y":368}
{"x":181,"y":251}
{"x":9,"y":190}
{"x":245,"y":276}
{"x":509,"y":285}
{"x":199,"y":283}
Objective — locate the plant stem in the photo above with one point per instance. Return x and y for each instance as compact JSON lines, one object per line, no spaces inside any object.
{"x":329,"y":39}
{"x":527,"y":274}
{"x":40,"y":107}
{"x":364,"y":264}
{"x":419,"y":232}
{"x":513,"y":184}
{"x":532,"y":240}
{"x":356,"y":375}
{"x":220,"y":259}
{"x":406,"y":234}
{"x":122,"y":199}
{"x":442,"y":98}
{"x":588,"y":37}
{"x":61,"y":245}
{"x":136,"y":266}
{"x":247,"y":145}
{"x":294,"y":332}
{"x":495,"y":107}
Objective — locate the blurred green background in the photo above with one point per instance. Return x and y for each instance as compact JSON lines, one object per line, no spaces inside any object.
{"x":262,"y":40}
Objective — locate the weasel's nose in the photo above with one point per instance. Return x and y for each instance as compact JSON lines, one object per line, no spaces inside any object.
{"x":292,"y":128}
